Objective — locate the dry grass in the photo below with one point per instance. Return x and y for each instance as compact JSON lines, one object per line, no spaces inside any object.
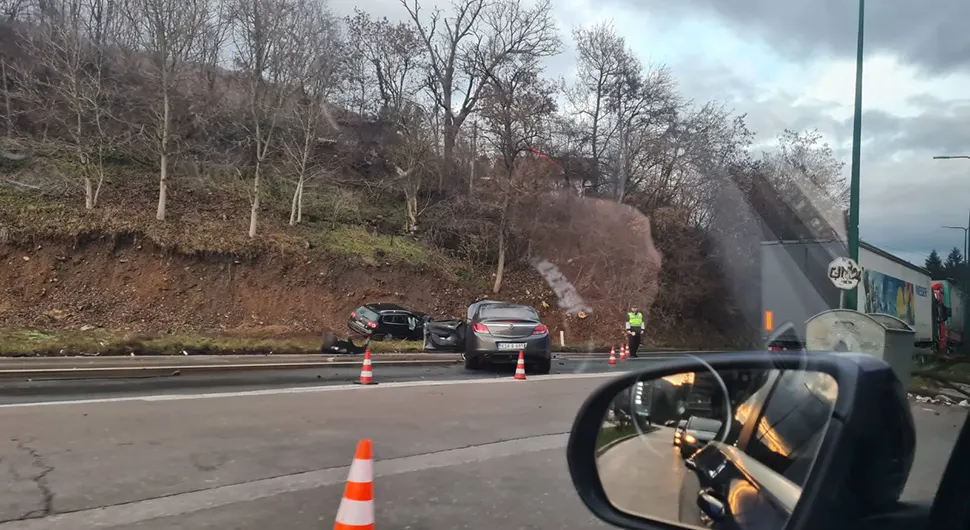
{"x":29,"y":216}
{"x":32,"y":343}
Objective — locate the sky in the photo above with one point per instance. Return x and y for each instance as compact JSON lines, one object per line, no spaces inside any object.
{"x":792,"y":65}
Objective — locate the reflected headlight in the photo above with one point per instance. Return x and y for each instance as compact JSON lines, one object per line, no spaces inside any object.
{"x":690,"y":439}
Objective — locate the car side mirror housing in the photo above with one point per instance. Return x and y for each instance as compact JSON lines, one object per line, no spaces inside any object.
{"x":725,"y":416}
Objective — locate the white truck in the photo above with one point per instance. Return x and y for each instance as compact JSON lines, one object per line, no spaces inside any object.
{"x":795,"y":286}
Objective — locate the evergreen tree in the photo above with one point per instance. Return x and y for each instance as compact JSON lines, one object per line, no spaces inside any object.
{"x":934,"y":264}
{"x":953,"y":265}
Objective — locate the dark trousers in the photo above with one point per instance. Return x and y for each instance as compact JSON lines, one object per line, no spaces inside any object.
{"x":634,"y":342}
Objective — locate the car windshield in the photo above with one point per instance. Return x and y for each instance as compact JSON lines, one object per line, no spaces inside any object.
{"x":197,"y":196}
{"x":366,"y":312}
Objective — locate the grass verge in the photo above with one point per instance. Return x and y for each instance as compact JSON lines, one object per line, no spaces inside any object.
{"x":611,"y":434}
{"x":35,"y":343}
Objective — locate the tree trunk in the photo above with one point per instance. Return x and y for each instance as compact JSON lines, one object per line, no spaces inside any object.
{"x":6,"y":98}
{"x":88,"y":193}
{"x":299,"y":205}
{"x":163,"y":160}
{"x":411,"y":204}
{"x":295,"y":204}
{"x":500,"y":269}
{"x":621,"y":177}
{"x":254,"y":213}
{"x":450,"y":138}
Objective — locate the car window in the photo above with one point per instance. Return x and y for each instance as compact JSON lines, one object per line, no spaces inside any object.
{"x":748,"y":409}
{"x":394,"y":319}
{"x":703,"y":424}
{"x":792,"y":423}
{"x":525,"y":313}
{"x":367,"y":313}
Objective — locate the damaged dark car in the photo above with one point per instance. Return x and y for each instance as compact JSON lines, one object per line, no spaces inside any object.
{"x":379,"y":321}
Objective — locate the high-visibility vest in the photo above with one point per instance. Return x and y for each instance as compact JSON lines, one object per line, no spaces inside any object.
{"x":634,"y":320}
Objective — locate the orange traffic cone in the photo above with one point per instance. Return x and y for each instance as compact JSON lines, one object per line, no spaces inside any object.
{"x":623,"y":354}
{"x":612,"y":357}
{"x":366,"y":372}
{"x":520,"y":367}
{"x":356,"y":509}
{"x":612,"y":350}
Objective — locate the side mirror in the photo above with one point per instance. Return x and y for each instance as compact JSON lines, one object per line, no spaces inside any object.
{"x":745,"y":440}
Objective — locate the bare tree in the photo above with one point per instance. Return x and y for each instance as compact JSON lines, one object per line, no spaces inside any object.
{"x":603,"y":63}
{"x":318,"y":74}
{"x":518,"y":105}
{"x":269,"y":47}
{"x":72,"y":64}
{"x":170,"y":32}
{"x":211,"y":43}
{"x":395,"y":53}
{"x":465,"y":48}
{"x":415,"y":162}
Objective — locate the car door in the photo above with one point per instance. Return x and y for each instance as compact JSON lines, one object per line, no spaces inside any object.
{"x":415,"y":326}
{"x":394,"y":325}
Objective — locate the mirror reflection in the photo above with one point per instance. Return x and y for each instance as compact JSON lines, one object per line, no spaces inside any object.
{"x":729,"y":449}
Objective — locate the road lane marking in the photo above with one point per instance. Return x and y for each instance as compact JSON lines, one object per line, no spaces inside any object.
{"x":313,"y":389}
{"x":123,"y":515}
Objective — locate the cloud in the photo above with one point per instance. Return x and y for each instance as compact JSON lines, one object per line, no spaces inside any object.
{"x":932,"y":36}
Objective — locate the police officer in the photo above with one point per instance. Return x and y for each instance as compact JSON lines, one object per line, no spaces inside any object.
{"x":635,"y":326}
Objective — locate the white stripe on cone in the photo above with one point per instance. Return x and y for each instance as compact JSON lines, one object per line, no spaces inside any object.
{"x":355,"y":513}
{"x":361,"y":471}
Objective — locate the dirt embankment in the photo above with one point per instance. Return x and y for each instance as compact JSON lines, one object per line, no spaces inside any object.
{"x":124,"y":285}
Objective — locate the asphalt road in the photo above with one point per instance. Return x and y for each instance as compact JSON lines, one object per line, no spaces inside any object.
{"x":453,"y":450}
{"x":39,"y":390}
{"x":642,"y":475}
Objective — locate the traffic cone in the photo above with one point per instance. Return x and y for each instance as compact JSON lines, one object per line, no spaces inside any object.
{"x":520,"y":367}
{"x":366,"y":372}
{"x":623,"y":354}
{"x":612,"y":357}
{"x":612,"y":350}
{"x":356,"y":511}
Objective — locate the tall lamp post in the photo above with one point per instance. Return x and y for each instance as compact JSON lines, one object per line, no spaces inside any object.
{"x":966,"y":231}
{"x":851,"y":296}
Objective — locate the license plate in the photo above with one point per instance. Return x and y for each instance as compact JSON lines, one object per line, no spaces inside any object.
{"x":511,"y":346}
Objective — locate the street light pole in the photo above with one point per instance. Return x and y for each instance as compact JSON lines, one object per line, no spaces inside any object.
{"x":851,"y":298}
{"x":966,"y":232}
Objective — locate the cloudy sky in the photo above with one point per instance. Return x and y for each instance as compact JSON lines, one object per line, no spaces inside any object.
{"x":791,"y":65}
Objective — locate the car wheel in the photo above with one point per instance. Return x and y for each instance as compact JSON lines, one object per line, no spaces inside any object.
{"x":471,"y":362}
{"x":543,"y":367}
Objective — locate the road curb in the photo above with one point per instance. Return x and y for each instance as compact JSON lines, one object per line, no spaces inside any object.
{"x":175,"y":369}
{"x":614,"y":443}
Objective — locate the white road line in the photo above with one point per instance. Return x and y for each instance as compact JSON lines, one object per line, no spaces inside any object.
{"x":124,"y":515}
{"x":313,"y":389}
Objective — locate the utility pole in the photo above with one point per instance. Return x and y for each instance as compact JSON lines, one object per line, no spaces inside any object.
{"x":851,"y":298}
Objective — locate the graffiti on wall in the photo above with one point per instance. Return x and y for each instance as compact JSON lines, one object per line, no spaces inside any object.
{"x":889,"y":296}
